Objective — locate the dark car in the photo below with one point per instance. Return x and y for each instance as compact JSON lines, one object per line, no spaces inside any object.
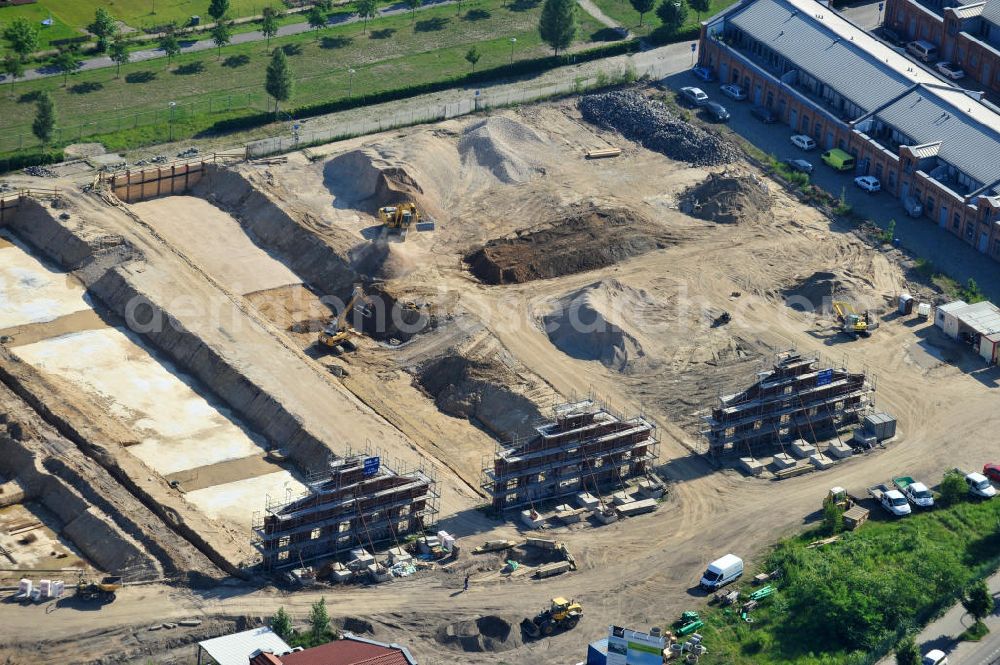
{"x":800,"y":165}
{"x":764,"y":114}
{"x":717,"y":111}
{"x":992,"y":471}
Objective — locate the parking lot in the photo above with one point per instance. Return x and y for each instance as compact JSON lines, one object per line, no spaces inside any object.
{"x":921,"y":237}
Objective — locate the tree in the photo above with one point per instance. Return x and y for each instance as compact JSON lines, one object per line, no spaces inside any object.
{"x":269,"y":25}
{"x":281,"y":624}
{"x":472,"y":56}
{"x":366,"y":9}
{"x":119,"y":54}
{"x":672,"y":14}
{"x":642,"y":6}
{"x":67,"y":62}
{"x":699,"y":6}
{"x":319,"y":621}
{"x":23,"y":36}
{"x":557,"y":24}
{"x":833,"y":517}
{"x":14,"y":68}
{"x":222,"y":34}
{"x":103,"y":27}
{"x":170,"y":45}
{"x":953,"y":488}
{"x":413,"y":6}
{"x":978,"y":601}
{"x":45,"y":118}
{"x":279,"y":79}
{"x":907,"y":652}
{"x":325,"y":5}
{"x":317,"y":19}
{"x":217,"y":9}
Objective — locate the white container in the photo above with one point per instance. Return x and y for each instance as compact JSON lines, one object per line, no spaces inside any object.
{"x":45,"y":588}
{"x":924,"y":310}
{"x":58,"y":589}
{"x":24,"y":587}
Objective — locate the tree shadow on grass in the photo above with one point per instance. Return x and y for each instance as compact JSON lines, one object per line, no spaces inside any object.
{"x":476,"y":15}
{"x":292,"y":49}
{"x":236,"y":61}
{"x":431,"y":24}
{"x":384,"y":33}
{"x":84,"y":88}
{"x":523,"y":5}
{"x":335,"y":42}
{"x":606,"y":35}
{"x":196,"y":67}
{"x":29,"y":97}
{"x":145,"y":76}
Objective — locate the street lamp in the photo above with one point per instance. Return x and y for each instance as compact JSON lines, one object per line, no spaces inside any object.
{"x":170,"y":122}
{"x":350,"y":85}
{"x":513,"y":40}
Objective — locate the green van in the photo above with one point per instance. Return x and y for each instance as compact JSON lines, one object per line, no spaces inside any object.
{"x":838,"y":159}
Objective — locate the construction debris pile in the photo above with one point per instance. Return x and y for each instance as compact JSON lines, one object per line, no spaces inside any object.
{"x":727,"y":198}
{"x":651,"y":123}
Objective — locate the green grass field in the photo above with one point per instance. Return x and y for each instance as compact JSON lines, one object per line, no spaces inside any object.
{"x":621,"y":11}
{"x":396,"y":51}
{"x":839,"y":602}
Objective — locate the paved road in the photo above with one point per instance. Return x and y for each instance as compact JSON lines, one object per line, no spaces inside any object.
{"x":193,"y":46}
{"x":864,"y":14}
{"x":921,"y":237}
{"x":602,"y":18}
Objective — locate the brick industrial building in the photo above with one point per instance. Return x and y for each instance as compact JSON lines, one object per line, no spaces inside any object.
{"x":968,"y":34}
{"x":825,"y":77}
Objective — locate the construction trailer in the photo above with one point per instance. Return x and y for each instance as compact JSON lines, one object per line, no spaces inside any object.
{"x":799,"y":398}
{"x":356,"y":502}
{"x":585,"y":448}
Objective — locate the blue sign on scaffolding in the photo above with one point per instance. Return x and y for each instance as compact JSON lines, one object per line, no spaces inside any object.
{"x":824,"y":377}
{"x":371,"y":466}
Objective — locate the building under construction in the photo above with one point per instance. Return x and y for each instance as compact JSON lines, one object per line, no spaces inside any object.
{"x":586,"y":448}
{"x":799,"y":398}
{"x":358,"y":502}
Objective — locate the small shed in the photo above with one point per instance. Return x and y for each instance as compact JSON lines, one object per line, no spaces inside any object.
{"x":977,"y":320}
{"x":946,"y":317}
{"x":989,"y":345}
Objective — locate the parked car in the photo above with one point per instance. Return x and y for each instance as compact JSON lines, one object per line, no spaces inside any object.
{"x":979,"y":485}
{"x":869,"y":183}
{"x":733,"y":91}
{"x":721,"y":572}
{"x":804,"y":142}
{"x":915,"y":491}
{"x":838,"y":159}
{"x":922,"y":50}
{"x":992,"y":471}
{"x":913,"y":206}
{"x":799,"y":165}
{"x":950,"y":70}
{"x":764,"y":114}
{"x":935,"y":657}
{"x":891,"y":36}
{"x":717,"y":111}
{"x":704,"y":73}
{"x":694,"y":96}
{"x":892,"y":500}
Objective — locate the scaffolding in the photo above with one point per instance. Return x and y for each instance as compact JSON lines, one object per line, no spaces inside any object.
{"x":799,"y":398}
{"x":356,"y":502}
{"x":586,"y":447}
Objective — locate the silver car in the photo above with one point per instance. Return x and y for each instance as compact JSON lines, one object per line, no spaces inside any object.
{"x":694,"y":96}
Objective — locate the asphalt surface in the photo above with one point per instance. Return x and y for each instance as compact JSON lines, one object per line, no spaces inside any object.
{"x":921,"y":237}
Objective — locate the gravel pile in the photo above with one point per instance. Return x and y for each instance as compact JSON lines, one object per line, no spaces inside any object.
{"x":651,"y":123}
{"x":40,"y":172}
{"x":503,"y":147}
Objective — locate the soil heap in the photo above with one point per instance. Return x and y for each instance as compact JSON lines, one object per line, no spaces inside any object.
{"x":727,"y":198}
{"x":503,"y":147}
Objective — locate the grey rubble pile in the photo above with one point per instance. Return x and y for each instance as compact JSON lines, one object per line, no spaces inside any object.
{"x":651,"y":123}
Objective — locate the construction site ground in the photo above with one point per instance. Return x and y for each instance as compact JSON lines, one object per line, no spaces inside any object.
{"x":602,"y":286}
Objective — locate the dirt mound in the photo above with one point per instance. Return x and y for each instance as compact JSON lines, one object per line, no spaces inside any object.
{"x":590,"y":237}
{"x":479,"y":391}
{"x":487,"y":633}
{"x":381,"y":260}
{"x":817,"y":292}
{"x":594,"y":323}
{"x":360,"y":177}
{"x":727,"y":198}
{"x":502,"y":146}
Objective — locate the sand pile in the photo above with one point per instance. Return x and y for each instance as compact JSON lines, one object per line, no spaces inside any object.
{"x":503,"y":147}
{"x":487,"y":633}
{"x":590,"y":237}
{"x":478,"y":390}
{"x":598,"y":322}
{"x":727,"y":198}
{"x":817,"y":292}
{"x":382,"y":260}
{"x":362,"y":177}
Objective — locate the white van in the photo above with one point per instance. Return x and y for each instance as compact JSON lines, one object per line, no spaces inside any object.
{"x":923,"y":51}
{"x":721,"y":572}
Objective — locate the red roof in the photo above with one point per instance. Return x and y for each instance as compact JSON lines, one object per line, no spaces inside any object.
{"x":347,"y":652}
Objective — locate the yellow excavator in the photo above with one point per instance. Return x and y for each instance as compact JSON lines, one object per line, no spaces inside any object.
{"x":399,"y":218}
{"x":337,"y":335}
{"x":852,"y":322}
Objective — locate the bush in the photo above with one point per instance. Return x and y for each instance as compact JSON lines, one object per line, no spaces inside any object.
{"x":19,"y":160}
{"x":907,"y":652}
{"x":953,"y":488}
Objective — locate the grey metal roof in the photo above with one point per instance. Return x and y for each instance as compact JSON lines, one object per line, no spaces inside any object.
{"x":238,"y":648}
{"x":991,"y":12}
{"x":926,"y":150}
{"x":834,"y":59}
{"x":968,"y":11}
{"x":968,"y":132}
